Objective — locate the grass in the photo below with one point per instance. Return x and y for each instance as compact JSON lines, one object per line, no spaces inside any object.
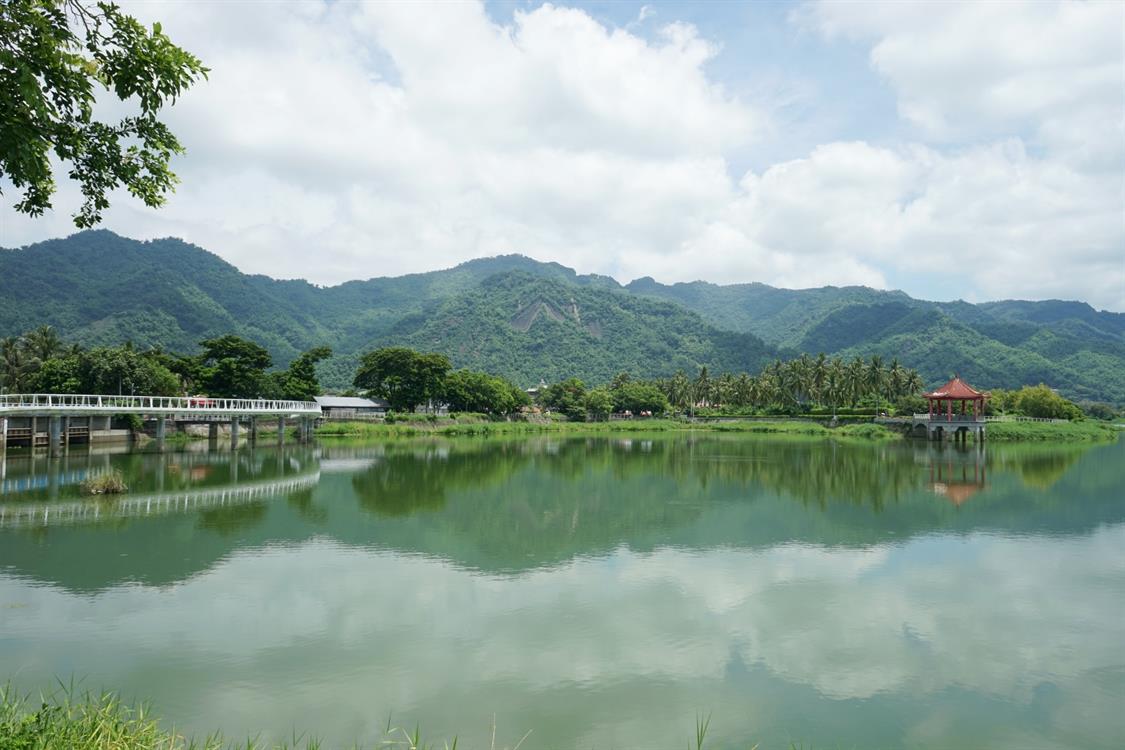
{"x":462,"y":427}
{"x":69,"y":720}
{"x":105,"y":483}
{"x":1064,"y":432}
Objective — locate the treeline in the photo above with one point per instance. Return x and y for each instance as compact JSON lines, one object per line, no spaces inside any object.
{"x":407,"y":379}
{"x":227,"y":367}
{"x":783,"y":387}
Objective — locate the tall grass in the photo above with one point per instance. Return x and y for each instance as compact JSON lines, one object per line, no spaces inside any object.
{"x":483,"y":428}
{"x":105,"y":483}
{"x":1065,"y":432}
{"x":71,"y":720}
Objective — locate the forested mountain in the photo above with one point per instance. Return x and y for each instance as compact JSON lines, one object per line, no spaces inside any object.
{"x":529,"y":320}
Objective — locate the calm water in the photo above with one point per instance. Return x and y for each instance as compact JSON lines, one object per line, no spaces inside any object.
{"x":600,"y":592}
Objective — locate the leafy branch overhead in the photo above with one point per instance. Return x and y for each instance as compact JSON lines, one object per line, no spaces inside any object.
{"x":55,"y":55}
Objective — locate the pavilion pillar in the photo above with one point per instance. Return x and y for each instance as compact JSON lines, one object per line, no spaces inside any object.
{"x":949,"y":410}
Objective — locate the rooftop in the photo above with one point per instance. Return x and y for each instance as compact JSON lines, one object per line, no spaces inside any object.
{"x":349,"y":402}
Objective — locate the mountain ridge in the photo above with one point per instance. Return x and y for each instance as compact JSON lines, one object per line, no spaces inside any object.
{"x":103,"y":289}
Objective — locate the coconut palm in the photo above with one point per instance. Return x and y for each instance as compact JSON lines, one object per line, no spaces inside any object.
{"x":15,"y":364}
{"x":43,"y":343}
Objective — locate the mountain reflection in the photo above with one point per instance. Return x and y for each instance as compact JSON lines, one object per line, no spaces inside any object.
{"x":510,"y":506}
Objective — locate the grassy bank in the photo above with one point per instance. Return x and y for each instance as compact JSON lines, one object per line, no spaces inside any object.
{"x":1060,"y":432}
{"x":453,"y":428}
{"x":68,"y":721}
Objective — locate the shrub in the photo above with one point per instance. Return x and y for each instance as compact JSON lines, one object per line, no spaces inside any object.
{"x":107,"y":483}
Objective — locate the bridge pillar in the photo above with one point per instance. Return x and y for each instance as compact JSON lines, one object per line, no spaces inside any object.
{"x":212,"y":434}
{"x":253,"y":430}
{"x":234,"y":434}
{"x":281,"y":430}
{"x":66,"y":431}
{"x":34,"y":430}
{"x":161,"y":426}
{"x":54,"y":434}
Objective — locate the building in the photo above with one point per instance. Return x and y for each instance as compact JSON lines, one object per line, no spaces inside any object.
{"x":351,"y":407}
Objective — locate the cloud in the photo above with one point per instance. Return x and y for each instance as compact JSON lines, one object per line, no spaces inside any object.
{"x":621,"y":638}
{"x":339,"y":140}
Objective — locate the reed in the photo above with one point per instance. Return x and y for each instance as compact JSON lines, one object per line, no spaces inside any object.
{"x":105,"y":483}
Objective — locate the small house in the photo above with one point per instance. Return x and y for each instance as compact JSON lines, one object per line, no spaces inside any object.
{"x":351,"y":407}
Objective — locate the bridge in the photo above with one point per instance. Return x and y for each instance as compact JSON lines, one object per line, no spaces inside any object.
{"x":20,"y":414}
{"x":939,"y":426}
{"x":113,"y":507}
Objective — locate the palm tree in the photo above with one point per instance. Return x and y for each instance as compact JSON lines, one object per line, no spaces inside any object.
{"x":14,"y":363}
{"x":834,"y":383}
{"x":876,"y":378}
{"x":43,"y":343}
{"x":854,"y":379}
{"x":818,"y":376}
{"x":702,"y":390}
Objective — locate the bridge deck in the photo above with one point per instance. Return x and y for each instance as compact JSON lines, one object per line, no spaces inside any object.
{"x":53,"y":404}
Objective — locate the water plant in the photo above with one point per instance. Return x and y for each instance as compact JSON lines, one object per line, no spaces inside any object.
{"x":104,"y":483}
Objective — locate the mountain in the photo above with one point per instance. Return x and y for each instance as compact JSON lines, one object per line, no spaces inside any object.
{"x":530,"y":320}
{"x":1068,"y":345}
{"x":509,"y":315}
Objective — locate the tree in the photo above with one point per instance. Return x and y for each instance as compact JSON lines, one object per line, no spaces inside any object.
{"x":466,"y":390}
{"x":402,"y":376}
{"x":568,"y":397}
{"x":53,"y":56}
{"x":299,"y":381}
{"x":14,"y":364}
{"x":1041,"y":401}
{"x":42,"y":343}
{"x":599,"y":404}
{"x":232,"y":367}
{"x":637,"y":397}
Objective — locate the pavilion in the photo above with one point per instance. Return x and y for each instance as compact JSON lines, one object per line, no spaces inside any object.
{"x":956,"y":390}
{"x":961,"y":421}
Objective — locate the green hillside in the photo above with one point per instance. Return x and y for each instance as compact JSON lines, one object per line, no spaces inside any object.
{"x":529,"y":320}
{"x":1068,"y":345}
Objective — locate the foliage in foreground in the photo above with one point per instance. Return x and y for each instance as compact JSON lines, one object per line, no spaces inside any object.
{"x":56,"y":57}
{"x":62,"y":721}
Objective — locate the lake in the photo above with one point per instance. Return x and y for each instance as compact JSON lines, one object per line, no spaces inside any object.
{"x":601,"y":592}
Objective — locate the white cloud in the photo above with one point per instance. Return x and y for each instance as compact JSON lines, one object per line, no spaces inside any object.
{"x":914,"y":619}
{"x":338,"y":140}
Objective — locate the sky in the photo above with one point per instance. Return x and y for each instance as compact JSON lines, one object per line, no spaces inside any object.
{"x":952,"y":150}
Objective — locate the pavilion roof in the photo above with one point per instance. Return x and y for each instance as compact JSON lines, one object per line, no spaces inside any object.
{"x":955,"y":389}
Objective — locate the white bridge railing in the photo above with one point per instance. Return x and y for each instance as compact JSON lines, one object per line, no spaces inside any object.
{"x":969,"y":418}
{"x":16,"y":404}
{"x":108,"y":507}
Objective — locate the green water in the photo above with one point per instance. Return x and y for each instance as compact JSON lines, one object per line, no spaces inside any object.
{"x":599,"y":592}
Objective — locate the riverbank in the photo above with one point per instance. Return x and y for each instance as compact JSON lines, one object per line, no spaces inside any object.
{"x":1055,"y":432}
{"x":99,"y":722}
{"x":473,"y":427}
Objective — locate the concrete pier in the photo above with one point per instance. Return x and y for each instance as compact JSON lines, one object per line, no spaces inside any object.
{"x":234,"y":434}
{"x":54,"y":434}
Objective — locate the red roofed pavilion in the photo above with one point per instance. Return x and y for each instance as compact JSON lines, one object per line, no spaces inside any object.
{"x":956,"y":390}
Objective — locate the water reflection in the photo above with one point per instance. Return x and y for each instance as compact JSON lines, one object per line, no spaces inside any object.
{"x":600,"y":592}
